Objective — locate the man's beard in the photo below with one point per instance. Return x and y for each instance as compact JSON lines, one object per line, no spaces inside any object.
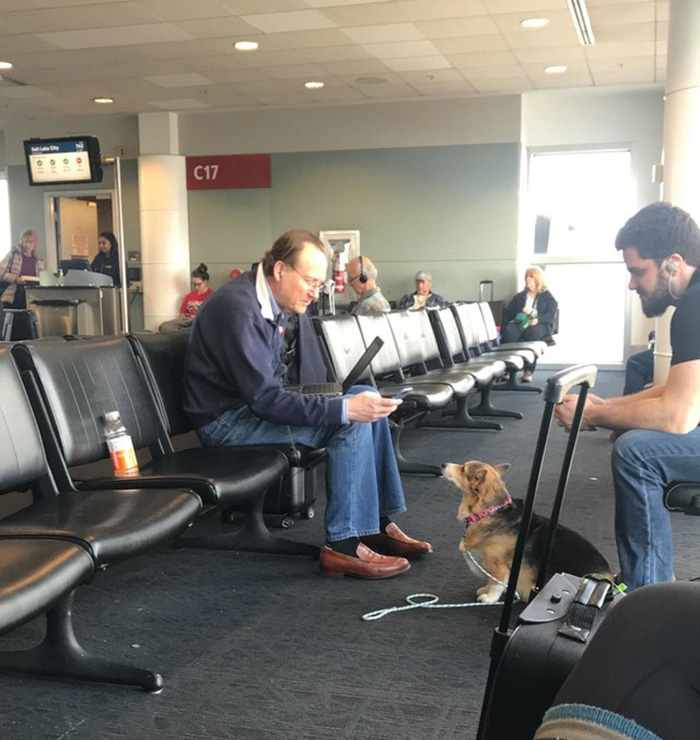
{"x":654,"y":304}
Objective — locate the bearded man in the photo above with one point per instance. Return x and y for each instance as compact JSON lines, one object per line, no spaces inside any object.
{"x":661,"y":441}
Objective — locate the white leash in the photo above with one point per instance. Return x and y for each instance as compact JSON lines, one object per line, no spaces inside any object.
{"x":431,"y":600}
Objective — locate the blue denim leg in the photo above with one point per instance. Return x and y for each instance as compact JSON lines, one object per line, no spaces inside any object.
{"x":362,"y":478}
{"x":643,"y":463}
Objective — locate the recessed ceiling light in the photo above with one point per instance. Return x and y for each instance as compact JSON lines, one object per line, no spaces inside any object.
{"x":314,"y":85}
{"x":5,"y":65}
{"x":534,"y":22}
{"x":246,"y":45}
{"x":556,"y":69}
{"x":103,"y":101}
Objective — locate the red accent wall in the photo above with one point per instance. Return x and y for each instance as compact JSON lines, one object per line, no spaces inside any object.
{"x":225,"y":171}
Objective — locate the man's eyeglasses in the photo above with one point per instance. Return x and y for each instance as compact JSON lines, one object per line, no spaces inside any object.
{"x":314,"y":285}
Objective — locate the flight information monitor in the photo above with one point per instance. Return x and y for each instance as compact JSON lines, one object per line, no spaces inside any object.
{"x":71,"y":159}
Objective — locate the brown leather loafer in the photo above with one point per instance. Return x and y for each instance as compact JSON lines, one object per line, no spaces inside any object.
{"x":394,"y":542}
{"x":367,"y":564}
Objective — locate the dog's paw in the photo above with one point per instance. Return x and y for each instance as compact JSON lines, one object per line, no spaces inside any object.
{"x":482,"y":590}
{"x":488,"y":596}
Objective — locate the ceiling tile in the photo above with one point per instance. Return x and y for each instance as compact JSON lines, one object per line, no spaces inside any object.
{"x":117,"y":36}
{"x":501,"y":85}
{"x":390,"y":91}
{"x":469,"y":44}
{"x":180,"y":10}
{"x":337,"y":54}
{"x":402,"y":49}
{"x":386,"y":33}
{"x":525,"y":40}
{"x":423,"y":10}
{"x":551,"y":82}
{"x":483,"y":59}
{"x":545,"y":56}
{"x":302,"y":39}
{"x":632,"y":49}
{"x":475,"y":26}
{"x":296,"y":71}
{"x":447,"y":87}
{"x":335,"y":3}
{"x":412,"y":64}
{"x":230,"y":26}
{"x":365,"y":15}
{"x":358,"y":67}
{"x":87,"y":16}
{"x":242,"y":7}
{"x":618,"y":16}
{"x":623,"y":77}
{"x":522,"y":6}
{"x":296,"y":20}
{"x":180,"y":80}
{"x":507,"y":71}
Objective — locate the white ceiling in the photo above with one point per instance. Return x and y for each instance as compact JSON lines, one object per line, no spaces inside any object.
{"x":178,"y":54}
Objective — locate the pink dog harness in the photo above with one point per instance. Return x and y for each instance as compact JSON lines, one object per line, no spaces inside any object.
{"x":484,"y":513}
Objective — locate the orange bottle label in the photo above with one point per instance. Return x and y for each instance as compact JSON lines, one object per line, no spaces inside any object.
{"x":121,"y":451}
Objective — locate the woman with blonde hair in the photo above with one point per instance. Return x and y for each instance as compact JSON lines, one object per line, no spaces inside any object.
{"x":530,"y":315}
{"x":19,"y":267}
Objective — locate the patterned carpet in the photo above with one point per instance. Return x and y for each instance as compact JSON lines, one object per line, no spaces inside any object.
{"x":259,"y":647}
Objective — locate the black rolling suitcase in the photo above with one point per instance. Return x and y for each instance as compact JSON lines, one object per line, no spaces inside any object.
{"x":530,"y":662}
{"x":293,"y":496}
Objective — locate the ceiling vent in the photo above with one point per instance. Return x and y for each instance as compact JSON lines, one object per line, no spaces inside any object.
{"x":582,"y":23}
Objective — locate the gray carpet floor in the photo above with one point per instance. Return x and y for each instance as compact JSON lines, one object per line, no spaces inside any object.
{"x":260,"y":647}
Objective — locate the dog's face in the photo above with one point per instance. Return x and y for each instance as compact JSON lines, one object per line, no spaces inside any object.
{"x":481,"y":485}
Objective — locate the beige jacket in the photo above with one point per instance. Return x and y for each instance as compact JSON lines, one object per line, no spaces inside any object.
{"x":10,"y":267}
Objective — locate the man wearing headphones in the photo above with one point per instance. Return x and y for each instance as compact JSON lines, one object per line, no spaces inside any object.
{"x":362,"y":278}
{"x":661,"y":248}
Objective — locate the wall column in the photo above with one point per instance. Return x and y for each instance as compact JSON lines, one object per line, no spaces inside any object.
{"x":165,"y":243}
{"x":681,"y":181}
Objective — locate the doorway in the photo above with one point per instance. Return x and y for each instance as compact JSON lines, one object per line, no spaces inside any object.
{"x":76,"y":220}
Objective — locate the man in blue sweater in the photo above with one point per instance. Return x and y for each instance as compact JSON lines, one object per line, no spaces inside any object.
{"x":235,"y":394}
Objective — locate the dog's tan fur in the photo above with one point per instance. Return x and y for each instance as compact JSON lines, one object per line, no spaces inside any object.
{"x":491,"y":541}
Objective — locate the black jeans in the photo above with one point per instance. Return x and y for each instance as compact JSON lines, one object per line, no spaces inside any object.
{"x":512,"y":333}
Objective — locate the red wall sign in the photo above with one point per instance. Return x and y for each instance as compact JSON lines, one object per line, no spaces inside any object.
{"x":228,"y":171}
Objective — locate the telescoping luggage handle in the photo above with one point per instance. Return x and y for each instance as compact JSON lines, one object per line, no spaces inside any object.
{"x":557,"y":387}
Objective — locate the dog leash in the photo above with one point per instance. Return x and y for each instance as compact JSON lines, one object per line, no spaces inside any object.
{"x":431,"y":602}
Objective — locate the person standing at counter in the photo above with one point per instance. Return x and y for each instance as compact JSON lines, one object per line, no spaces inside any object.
{"x":107,"y":259}
{"x":19,"y":267}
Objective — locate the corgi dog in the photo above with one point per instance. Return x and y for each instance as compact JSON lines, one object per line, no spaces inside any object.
{"x":492,"y":523}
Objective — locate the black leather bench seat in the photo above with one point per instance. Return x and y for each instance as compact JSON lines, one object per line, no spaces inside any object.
{"x":36,"y":573}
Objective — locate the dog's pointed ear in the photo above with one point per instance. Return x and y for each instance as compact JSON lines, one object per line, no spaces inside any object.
{"x":502,"y":468}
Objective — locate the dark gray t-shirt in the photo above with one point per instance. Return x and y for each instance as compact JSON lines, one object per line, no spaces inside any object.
{"x":685,"y":324}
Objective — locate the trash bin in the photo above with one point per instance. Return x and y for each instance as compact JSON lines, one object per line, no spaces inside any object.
{"x":56,"y":316}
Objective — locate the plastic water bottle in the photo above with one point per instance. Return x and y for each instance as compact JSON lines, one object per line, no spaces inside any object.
{"x":120,"y":446}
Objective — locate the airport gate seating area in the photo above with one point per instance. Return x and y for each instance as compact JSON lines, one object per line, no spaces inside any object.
{"x":56,"y":391}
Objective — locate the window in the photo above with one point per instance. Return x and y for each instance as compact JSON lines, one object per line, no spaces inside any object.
{"x":577,"y":202}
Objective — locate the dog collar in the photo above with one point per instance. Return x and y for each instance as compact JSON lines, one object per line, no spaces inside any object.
{"x":484,"y":513}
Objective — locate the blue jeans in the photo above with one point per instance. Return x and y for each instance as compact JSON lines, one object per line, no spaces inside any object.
{"x":362,"y":478}
{"x":643,"y":463}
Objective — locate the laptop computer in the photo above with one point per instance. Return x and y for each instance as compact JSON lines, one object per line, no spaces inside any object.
{"x":337,"y":389}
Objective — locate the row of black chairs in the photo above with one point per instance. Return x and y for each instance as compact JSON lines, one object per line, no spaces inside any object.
{"x":445,"y":354}
{"x":55,"y":395}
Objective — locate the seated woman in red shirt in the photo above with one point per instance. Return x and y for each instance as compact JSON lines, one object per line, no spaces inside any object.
{"x":192,"y":301}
